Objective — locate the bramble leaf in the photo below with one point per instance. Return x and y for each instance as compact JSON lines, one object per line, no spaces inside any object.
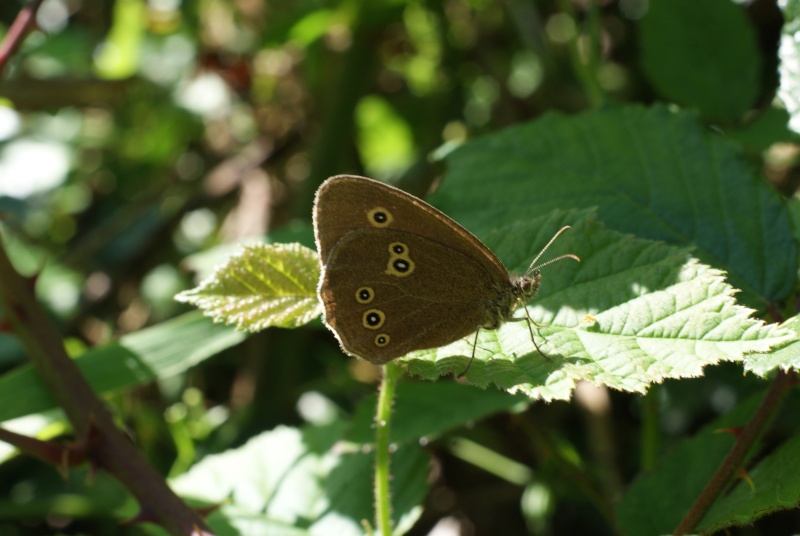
{"x":265,"y":285}
{"x":783,"y":358}
{"x":632,"y":313}
{"x":295,"y":482}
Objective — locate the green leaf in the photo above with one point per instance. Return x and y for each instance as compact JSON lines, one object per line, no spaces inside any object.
{"x":424,"y":409}
{"x":656,"y":502}
{"x":265,"y":285}
{"x":118,"y":57}
{"x":768,"y":128}
{"x":789,"y":54}
{"x":701,"y":54}
{"x":632,"y":313}
{"x":291,"y":481}
{"x":385,"y":140}
{"x":156,"y":352}
{"x":775,"y":486}
{"x":650,"y":172}
{"x":784,"y":358}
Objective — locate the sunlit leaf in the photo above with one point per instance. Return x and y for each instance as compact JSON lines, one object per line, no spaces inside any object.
{"x":265,"y":285}
{"x":632,"y":313}
{"x":785,"y":358}
{"x":291,"y":481}
{"x":789,"y":54}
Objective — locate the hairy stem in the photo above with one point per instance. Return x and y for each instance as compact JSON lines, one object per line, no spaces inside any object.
{"x":383,"y":417}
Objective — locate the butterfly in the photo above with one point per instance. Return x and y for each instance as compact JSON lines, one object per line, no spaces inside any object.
{"x":398,"y":275}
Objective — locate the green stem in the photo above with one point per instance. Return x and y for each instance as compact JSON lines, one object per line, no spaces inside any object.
{"x":383,"y":418}
{"x":356,"y":70}
{"x":585,"y":62}
{"x":546,"y":449}
{"x":651,"y":431}
{"x":595,"y":45}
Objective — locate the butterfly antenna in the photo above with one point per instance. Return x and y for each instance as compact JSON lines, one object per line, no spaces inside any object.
{"x":533,"y":267}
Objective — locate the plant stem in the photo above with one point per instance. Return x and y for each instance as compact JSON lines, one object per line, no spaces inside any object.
{"x":383,"y":417}
{"x":107,"y":447}
{"x":546,"y":450}
{"x":651,"y":432}
{"x":356,"y":69}
{"x":781,"y":385}
{"x":16,"y":34}
{"x":584,"y":62}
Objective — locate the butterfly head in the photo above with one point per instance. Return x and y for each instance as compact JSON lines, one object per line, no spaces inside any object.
{"x":526,"y":286}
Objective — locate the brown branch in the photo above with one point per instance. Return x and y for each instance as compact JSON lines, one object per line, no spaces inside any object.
{"x":781,"y":385}
{"x":62,"y":456}
{"x":16,"y":34}
{"x":109,"y":448}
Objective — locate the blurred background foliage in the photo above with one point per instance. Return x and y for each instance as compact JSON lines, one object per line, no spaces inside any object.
{"x":138,"y":136}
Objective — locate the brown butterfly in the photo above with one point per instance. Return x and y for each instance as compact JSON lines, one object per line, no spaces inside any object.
{"x":398,"y":275}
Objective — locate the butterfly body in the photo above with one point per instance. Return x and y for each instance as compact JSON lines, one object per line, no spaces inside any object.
{"x":398,"y":275}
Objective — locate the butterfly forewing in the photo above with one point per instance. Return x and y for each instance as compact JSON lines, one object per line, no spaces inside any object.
{"x":344,"y":203}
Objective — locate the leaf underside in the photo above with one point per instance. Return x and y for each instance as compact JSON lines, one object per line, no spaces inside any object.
{"x":265,"y":285}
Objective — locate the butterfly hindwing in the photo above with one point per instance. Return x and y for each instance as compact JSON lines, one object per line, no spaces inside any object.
{"x":389,"y":292}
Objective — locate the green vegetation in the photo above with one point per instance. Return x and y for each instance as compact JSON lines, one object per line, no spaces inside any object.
{"x":158,"y":163}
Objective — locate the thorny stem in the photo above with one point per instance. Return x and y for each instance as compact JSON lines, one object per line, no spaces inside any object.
{"x":781,"y":385}
{"x":16,"y":34}
{"x":110,"y":449}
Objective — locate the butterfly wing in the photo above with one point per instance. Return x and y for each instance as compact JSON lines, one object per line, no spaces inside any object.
{"x":387,"y":293}
{"x":346,"y":202}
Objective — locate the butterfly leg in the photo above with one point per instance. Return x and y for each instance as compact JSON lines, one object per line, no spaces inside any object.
{"x":531,"y":323}
{"x":474,"y":345}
